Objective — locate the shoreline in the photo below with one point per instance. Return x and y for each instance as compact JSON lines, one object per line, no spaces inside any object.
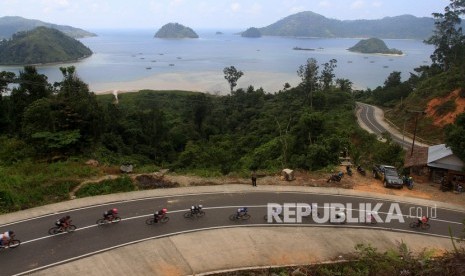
{"x":207,"y":81}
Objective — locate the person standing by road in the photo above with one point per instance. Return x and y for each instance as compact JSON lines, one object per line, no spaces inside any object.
{"x":254,"y":178}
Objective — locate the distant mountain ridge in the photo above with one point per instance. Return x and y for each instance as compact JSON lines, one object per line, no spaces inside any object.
{"x":10,"y":25}
{"x":310,"y":24}
{"x":40,"y":46}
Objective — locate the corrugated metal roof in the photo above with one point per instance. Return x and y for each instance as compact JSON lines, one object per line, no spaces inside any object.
{"x":437,"y":152}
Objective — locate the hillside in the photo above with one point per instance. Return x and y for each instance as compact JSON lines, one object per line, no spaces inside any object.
{"x":10,"y":25}
{"x":310,"y":24}
{"x":41,"y":45}
{"x":251,"y":32}
{"x":373,"y":46}
{"x":175,"y":30}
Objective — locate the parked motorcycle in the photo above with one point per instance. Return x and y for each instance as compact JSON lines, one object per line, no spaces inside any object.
{"x":335,"y":177}
{"x":361,"y":170}
{"x":349,"y":170}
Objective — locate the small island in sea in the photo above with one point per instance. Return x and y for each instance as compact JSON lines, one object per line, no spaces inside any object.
{"x":175,"y":30}
{"x":41,"y":45}
{"x":373,"y":46}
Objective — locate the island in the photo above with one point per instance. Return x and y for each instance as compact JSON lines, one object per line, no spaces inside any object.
{"x":373,"y":46}
{"x":219,"y":33}
{"x":41,"y":45}
{"x":251,"y":32}
{"x":175,"y":30}
{"x":303,"y":49}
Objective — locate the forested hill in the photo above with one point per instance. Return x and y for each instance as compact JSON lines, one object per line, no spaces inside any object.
{"x":10,"y":25}
{"x":310,"y":24}
{"x":41,"y":45}
{"x":175,"y":30}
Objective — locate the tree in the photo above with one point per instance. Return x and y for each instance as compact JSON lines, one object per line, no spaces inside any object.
{"x":448,"y":37}
{"x":344,"y":85}
{"x":394,"y":79}
{"x":454,"y":136}
{"x":232,"y":75}
{"x":309,"y":75}
{"x":327,"y":74}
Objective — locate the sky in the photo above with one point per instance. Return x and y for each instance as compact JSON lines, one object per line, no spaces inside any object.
{"x":213,"y":14}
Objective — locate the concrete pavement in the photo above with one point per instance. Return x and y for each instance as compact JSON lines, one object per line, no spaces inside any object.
{"x":230,"y":248}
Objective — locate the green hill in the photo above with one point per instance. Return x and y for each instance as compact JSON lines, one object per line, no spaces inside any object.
{"x":10,"y":25}
{"x":41,"y":45}
{"x":175,"y":30}
{"x":373,"y":46}
{"x":251,"y":32}
{"x":310,"y":24}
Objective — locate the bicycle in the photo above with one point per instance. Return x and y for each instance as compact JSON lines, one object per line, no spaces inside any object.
{"x":110,"y":219}
{"x":421,"y":225}
{"x":162,"y":219}
{"x":12,"y":243}
{"x":191,"y":214}
{"x":234,"y":217}
{"x":59,"y":229}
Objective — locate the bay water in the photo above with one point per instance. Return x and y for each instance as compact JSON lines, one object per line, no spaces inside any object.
{"x":134,"y":59}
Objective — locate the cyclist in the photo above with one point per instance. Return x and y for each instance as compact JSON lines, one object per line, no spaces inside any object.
{"x":63,"y":222}
{"x":241,"y":212}
{"x":6,"y":237}
{"x":110,"y":214}
{"x":159,"y":214}
{"x":423,"y":220}
{"x":195,"y":209}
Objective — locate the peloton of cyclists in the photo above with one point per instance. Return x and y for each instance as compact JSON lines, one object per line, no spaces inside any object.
{"x":195,"y":209}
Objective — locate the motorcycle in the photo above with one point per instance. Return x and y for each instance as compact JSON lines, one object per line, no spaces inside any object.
{"x":349,"y":170}
{"x":361,"y":170}
{"x":335,"y":177}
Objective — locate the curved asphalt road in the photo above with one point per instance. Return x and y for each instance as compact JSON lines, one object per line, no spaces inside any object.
{"x":372,"y":119}
{"x":38,"y":249}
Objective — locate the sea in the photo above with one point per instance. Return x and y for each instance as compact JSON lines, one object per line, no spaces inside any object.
{"x":129,"y":56}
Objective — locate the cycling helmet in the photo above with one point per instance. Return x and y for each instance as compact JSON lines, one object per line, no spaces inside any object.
{"x":10,"y":232}
{"x":115,"y":210}
{"x":192,"y":207}
{"x":67,"y":217}
{"x":165,"y":210}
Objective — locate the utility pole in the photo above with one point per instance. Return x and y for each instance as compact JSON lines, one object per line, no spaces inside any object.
{"x":415,"y":129}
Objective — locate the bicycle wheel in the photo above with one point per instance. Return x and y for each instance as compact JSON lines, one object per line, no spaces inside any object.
{"x":54,"y":230}
{"x":14,"y":243}
{"x":149,"y":221}
{"x":233,"y":217}
{"x":265,"y":217}
{"x":246,"y":217}
{"x":71,"y":228}
{"x":188,"y":215}
{"x":101,"y":221}
{"x":200,"y":214}
{"x":116,"y":220}
{"x":413,"y":224}
{"x":164,"y":219}
{"x":425,"y":226}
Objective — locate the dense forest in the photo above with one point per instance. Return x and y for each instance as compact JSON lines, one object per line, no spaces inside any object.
{"x":45,"y":128}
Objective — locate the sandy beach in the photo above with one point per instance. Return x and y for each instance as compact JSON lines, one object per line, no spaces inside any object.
{"x":212,"y":82}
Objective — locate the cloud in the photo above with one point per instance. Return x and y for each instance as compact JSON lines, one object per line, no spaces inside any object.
{"x":377,"y":4}
{"x":357,"y":4}
{"x":325,"y":4}
{"x":235,"y":7}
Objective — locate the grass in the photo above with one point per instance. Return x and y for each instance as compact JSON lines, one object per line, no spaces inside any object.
{"x":118,"y":185}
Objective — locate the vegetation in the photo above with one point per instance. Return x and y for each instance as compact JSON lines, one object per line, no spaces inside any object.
{"x":373,"y":46}
{"x":403,"y":99}
{"x":310,"y":24}
{"x":10,"y":25}
{"x":251,"y":32}
{"x":232,"y":75}
{"x":175,"y":30}
{"x":41,"y":45}
{"x":368,"y":261}
{"x":182,"y":131}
